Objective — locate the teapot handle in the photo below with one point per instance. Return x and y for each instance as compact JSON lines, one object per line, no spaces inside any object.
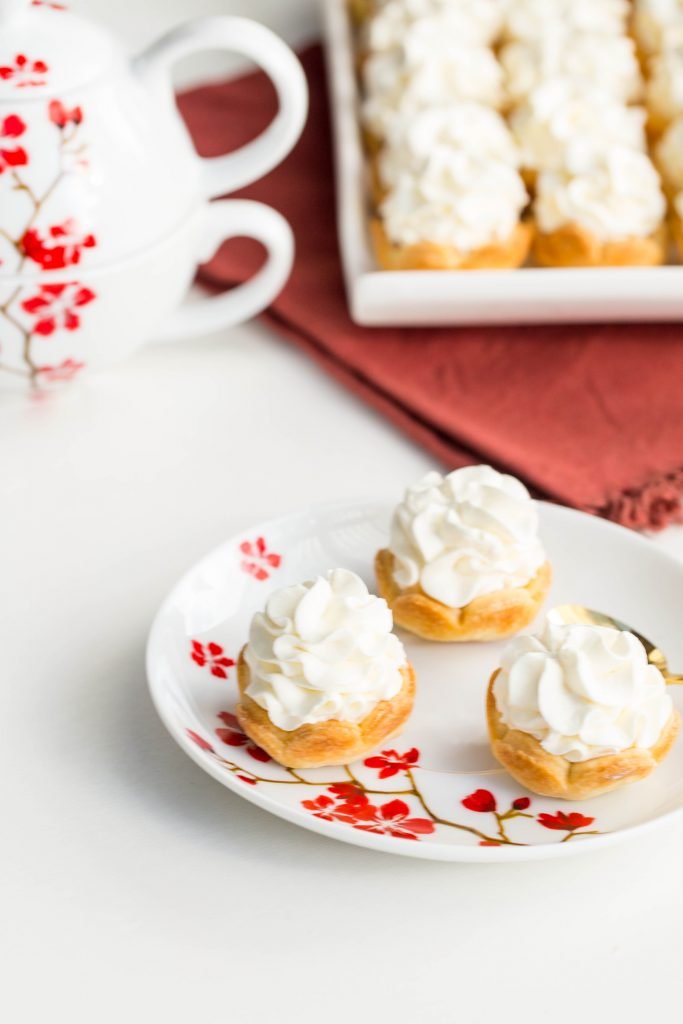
{"x":223,"y":174}
{"x":233,"y":218}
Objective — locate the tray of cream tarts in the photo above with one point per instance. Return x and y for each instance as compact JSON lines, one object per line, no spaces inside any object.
{"x":399,"y":676}
{"x":508,"y":161}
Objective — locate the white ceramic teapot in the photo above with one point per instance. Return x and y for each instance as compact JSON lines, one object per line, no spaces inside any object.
{"x":104,"y":203}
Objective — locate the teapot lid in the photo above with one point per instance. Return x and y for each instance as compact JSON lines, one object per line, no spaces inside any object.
{"x":45,"y":49}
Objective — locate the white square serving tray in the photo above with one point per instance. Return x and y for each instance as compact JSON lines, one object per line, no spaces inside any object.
{"x":434,"y":297}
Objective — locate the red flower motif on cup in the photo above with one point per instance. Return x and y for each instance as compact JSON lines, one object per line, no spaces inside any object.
{"x":199,"y":740}
{"x":65,"y":370}
{"x":390,"y":762}
{"x":24,"y":72}
{"x":234,"y":737}
{"x":482,"y":801}
{"x":55,"y":306}
{"x":521,"y":803}
{"x":258,"y":558}
{"x":12,"y":127}
{"x":564,"y":822}
{"x":46,"y":3}
{"x":213,"y":656}
{"x":61,"y":247}
{"x":62,"y":116}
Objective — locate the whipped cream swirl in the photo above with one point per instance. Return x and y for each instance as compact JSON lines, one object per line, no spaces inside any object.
{"x":606,"y":62}
{"x":464,"y":535}
{"x":323,"y":650}
{"x":582,"y":691}
{"x":456,"y":199}
{"x":562,"y":124}
{"x":397,"y":85}
{"x":658,"y":24}
{"x":529,"y":19}
{"x":426,"y":22}
{"x":665,"y":85}
{"x":669,"y":155}
{"x":618,"y":197}
{"x":469,"y":127}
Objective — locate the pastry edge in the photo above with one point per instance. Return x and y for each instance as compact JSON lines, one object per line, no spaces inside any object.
{"x":574,"y":246}
{"x":554,"y":776}
{"x":505,"y":255}
{"x":490,"y":617}
{"x":328,"y":743}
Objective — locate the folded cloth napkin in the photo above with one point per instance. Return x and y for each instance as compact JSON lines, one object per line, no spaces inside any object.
{"x":589,"y":416}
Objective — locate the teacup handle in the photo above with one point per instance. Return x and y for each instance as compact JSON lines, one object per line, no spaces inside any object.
{"x":232,"y":218}
{"x":223,"y":174}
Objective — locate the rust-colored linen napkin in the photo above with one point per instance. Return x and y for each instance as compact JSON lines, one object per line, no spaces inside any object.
{"x":587,"y":416}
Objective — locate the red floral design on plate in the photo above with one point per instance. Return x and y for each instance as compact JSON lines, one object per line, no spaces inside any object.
{"x":199,"y":740}
{"x":258,"y":560}
{"x":390,"y":762}
{"x":482,"y":800}
{"x":348,"y":804}
{"x":564,"y":822}
{"x":12,"y":127}
{"x":55,"y":306}
{"x":24,"y":72}
{"x":63,"y":116}
{"x":233,"y":736}
{"x":47,"y":3}
{"x":212,"y":656}
{"x":521,"y":803}
{"x":65,"y":370}
{"x":61,"y":247}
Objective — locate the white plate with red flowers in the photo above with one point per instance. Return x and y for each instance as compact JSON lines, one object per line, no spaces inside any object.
{"x":436,"y":791}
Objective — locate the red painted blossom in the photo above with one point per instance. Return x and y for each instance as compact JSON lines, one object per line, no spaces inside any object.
{"x":565,"y":822}
{"x":62,"y":116}
{"x":47,"y":3}
{"x":12,"y":127}
{"x":62,"y":246}
{"x":258,"y":560}
{"x":247,"y":779}
{"x":233,"y":736}
{"x":489,"y":842}
{"x":482,"y":800}
{"x":521,"y":803}
{"x":212,"y":656}
{"x":24,"y":71}
{"x":390,"y":762}
{"x":322,"y":807}
{"x":55,"y":306}
{"x":349,"y":794}
{"x":230,"y":720}
{"x":199,"y":740}
{"x":65,"y":370}
{"x":393,"y":819}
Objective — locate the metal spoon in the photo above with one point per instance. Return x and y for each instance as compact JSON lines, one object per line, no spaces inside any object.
{"x":576,"y":614}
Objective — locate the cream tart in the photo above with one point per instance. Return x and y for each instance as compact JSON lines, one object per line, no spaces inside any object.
{"x":612,"y":213}
{"x":460,"y":210}
{"x":579,"y":711}
{"x":464,"y":560}
{"x":322,"y":678}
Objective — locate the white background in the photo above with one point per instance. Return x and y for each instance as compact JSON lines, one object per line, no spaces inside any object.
{"x":132,"y":886}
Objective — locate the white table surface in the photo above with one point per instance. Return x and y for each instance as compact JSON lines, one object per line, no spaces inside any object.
{"x":134,"y":887}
